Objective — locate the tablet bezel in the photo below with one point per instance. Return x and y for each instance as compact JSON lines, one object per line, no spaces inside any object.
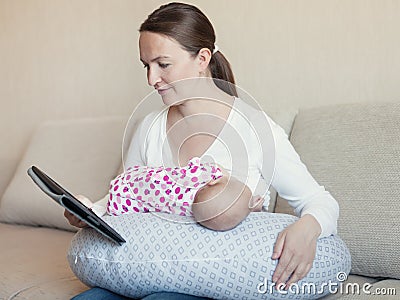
{"x":73,"y":205}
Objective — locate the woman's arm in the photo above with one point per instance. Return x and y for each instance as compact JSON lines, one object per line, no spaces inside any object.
{"x":294,"y":183}
{"x":318,"y":211}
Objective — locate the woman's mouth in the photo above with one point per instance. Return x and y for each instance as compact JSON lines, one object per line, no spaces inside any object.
{"x":163,"y":91}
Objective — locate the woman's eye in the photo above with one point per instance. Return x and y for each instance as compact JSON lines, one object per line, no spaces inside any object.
{"x":146,"y":66}
{"x":163,"y":66}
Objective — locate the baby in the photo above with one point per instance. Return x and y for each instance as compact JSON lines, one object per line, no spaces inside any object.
{"x":201,"y":190}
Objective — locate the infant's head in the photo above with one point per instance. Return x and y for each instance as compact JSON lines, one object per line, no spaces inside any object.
{"x":223,"y":203}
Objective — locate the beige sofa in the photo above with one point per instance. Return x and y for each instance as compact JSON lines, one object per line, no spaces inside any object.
{"x":351,"y":149}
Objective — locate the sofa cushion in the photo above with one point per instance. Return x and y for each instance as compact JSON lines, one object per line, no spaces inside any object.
{"x":387,"y":289}
{"x":360,"y":288}
{"x":353,"y":150}
{"x":33,"y":264}
{"x":83,"y":156}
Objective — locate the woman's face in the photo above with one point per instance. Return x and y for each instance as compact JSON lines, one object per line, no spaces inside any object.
{"x":166,"y":62}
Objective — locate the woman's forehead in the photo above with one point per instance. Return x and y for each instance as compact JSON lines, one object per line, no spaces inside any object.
{"x":152,"y":45}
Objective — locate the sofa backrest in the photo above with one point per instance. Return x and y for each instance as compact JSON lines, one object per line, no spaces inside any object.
{"x":354,"y":151}
{"x":82,"y":155}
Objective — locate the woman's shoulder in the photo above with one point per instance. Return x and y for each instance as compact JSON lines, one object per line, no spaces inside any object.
{"x":255,"y":119}
{"x":152,"y":119}
{"x":252,"y":114}
{"x":156,"y":115}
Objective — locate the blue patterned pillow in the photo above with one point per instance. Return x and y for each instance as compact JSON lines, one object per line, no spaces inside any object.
{"x":177,"y":255}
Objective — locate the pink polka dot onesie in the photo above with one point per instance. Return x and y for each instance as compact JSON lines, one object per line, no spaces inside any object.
{"x":144,"y":189}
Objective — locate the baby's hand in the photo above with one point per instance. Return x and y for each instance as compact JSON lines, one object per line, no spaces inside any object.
{"x":74,"y":221}
{"x":256,"y":203}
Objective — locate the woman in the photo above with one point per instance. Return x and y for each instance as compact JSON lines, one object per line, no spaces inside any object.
{"x":176,"y":42}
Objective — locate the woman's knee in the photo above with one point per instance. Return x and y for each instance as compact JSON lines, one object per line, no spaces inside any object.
{"x":97,"y":293}
{"x":172,"y":296}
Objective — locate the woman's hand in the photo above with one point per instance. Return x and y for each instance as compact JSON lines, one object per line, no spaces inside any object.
{"x":74,"y":221}
{"x":295,"y":248}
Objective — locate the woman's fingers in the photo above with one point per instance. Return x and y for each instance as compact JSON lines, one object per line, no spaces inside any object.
{"x":280,"y":241}
{"x":300,"y":272}
{"x":295,"y":248}
{"x":81,"y":224}
{"x":74,"y":221}
{"x":287,"y":267}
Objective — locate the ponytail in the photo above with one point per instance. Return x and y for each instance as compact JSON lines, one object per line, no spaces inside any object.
{"x":222,"y":73}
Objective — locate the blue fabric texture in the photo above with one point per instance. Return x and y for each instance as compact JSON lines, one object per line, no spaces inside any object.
{"x":97,"y":293}
{"x":179,"y":256}
{"x":172,"y":296}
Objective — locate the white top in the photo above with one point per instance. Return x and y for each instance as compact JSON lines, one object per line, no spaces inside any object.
{"x":250,"y":151}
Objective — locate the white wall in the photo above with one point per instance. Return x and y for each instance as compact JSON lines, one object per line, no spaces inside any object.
{"x":62,"y":59}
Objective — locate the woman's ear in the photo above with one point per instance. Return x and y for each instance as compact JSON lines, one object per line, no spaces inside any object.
{"x":204,"y":57}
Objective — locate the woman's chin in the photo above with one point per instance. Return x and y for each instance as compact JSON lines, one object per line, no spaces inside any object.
{"x":171,"y":99}
{"x":167,"y":100}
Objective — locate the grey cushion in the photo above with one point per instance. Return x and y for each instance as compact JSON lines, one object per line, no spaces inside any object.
{"x":354,"y":151}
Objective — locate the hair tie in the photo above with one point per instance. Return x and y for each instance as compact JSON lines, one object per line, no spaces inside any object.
{"x":216,"y":49}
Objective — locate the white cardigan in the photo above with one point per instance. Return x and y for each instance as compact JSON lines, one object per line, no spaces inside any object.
{"x":254,"y":149}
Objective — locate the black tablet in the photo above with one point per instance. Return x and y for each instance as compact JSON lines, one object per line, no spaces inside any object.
{"x":73,"y":205}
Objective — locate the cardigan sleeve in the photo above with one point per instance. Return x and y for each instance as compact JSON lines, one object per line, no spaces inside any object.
{"x":294,"y":183}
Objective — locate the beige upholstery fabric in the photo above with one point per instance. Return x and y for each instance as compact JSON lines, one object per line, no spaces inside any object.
{"x":385,"y":289}
{"x":34,"y":265}
{"x":353,"y":150}
{"x":82,"y":156}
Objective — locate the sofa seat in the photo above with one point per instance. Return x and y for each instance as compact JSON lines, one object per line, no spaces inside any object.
{"x":34,"y":265}
{"x":386,"y":289}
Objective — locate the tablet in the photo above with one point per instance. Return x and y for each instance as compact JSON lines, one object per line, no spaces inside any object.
{"x":73,"y":205}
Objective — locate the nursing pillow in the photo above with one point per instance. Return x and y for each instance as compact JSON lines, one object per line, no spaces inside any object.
{"x":179,"y":255}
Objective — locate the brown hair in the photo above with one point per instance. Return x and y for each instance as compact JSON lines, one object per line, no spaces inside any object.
{"x":193,"y":31}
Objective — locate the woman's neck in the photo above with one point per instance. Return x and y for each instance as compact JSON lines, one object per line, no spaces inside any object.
{"x":203,"y":97}
{"x":217,"y":107}
{"x":216,"y":103}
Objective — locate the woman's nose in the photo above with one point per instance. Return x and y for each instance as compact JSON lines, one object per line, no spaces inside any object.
{"x":153,"y":77}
